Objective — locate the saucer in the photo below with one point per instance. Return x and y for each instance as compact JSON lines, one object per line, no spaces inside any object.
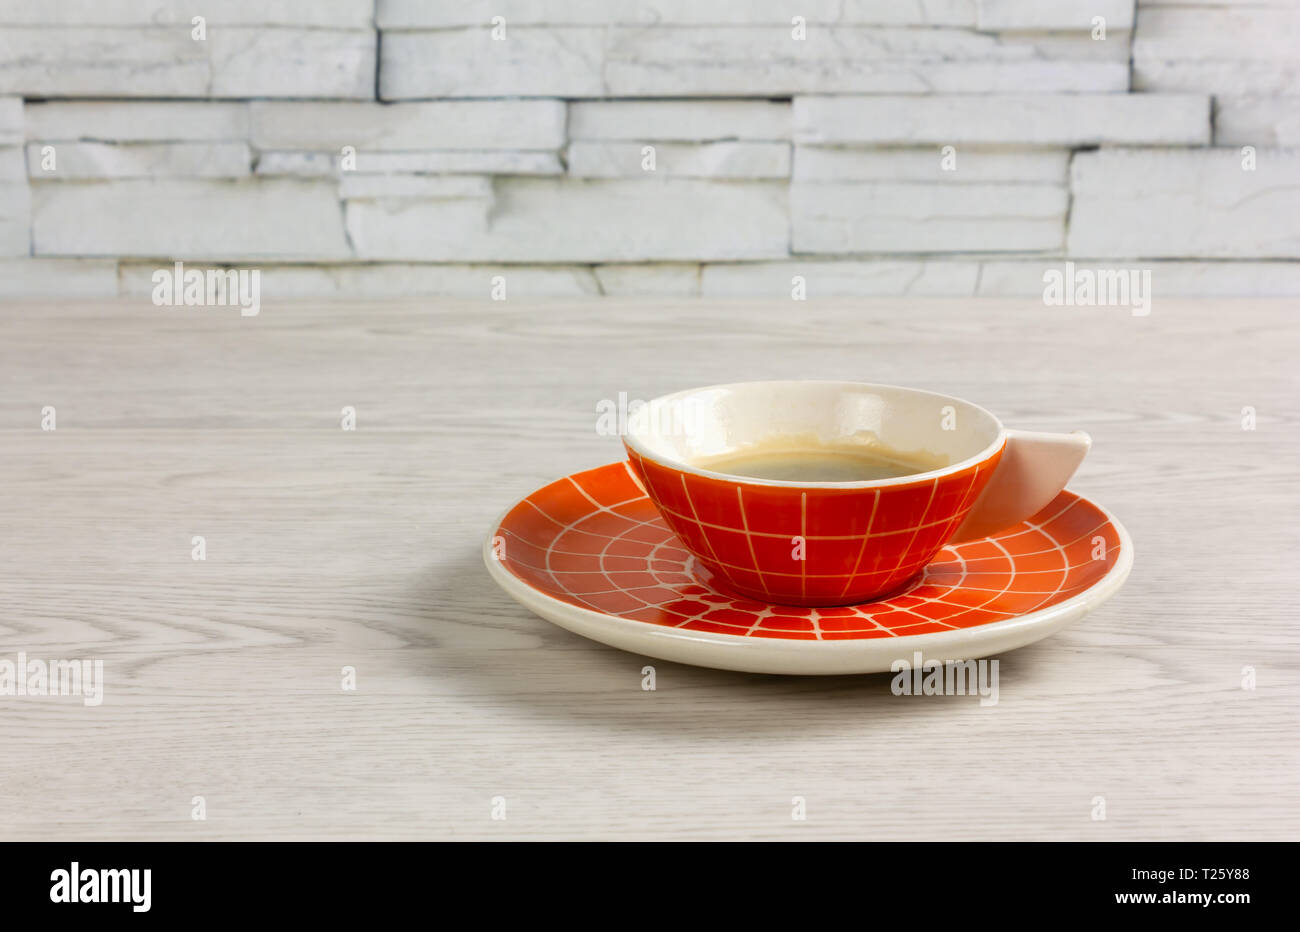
{"x":590,"y":553}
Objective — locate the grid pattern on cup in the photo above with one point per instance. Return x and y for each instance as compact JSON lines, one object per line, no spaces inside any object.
{"x":596,"y":541}
{"x":816,"y":546}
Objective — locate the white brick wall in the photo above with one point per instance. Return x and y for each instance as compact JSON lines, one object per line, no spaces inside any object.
{"x":657,"y":147}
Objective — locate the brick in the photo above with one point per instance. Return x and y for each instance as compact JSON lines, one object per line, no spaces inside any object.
{"x":161,"y":61}
{"x":85,"y":160}
{"x":244,"y":220}
{"x":584,"y":61}
{"x":15,"y":219}
{"x":98,"y":62}
{"x":970,"y":164}
{"x":1063,"y":15}
{"x":1257,"y":121}
{"x":893,"y":217}
{"x":1135,"y":203}
{"x":13,"y":165}
{"x":823,"y":279}
{"x":467,"y":162}
{"x":137,"y":121}
{"x":570,"y":220}
{"x":738,"y":160}
{"x":1234,"y":52}
{"x":848,"y":59}
{"x":336,"y":13}
{"x":1022,"y":119}
{"x":58,"y":278}
{"x":679,"y":120}
{"x":656,"y":279}
{"x":265,"y":62}
{"x":445,"y":125}
{"x":434,"y":187}
{"x":11,"y":120}
{"x":407,"y":14}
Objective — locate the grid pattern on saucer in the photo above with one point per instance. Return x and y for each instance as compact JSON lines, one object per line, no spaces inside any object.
{"x":821,"y":546}
{"x":596,"y":541}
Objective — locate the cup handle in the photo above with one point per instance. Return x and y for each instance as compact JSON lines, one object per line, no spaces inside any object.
{"x":1033,"y":470}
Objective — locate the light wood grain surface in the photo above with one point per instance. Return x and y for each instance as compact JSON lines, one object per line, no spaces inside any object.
{"x":329,"y":548}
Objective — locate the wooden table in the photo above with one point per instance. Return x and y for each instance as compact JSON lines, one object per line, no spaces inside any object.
{"x":329,"y":548}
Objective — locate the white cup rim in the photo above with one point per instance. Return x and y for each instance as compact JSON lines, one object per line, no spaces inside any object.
{"x":633,"y":437}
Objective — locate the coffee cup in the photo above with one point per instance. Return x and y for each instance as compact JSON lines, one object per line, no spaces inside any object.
{"x":925,"y":470}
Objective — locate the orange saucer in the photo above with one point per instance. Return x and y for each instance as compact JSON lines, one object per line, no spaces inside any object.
{"x":590,"y":553}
